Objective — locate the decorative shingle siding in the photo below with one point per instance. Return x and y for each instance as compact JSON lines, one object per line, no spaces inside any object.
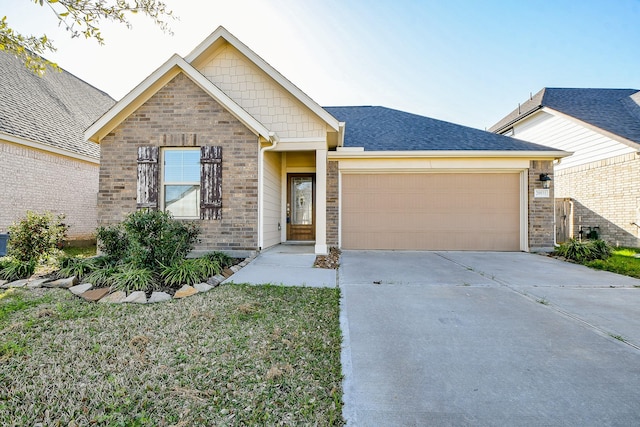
{"x":181,"y":114}
{"x":541,"y":227}
{"x":261,"y":96}
{"x":605,"y":194}
{"x":332,"y":203}
{"x":40,"y":181}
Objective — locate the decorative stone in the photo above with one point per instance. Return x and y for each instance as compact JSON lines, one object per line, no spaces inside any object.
{"x":215,"y":280}
{"x":16,"y":284}
{"x":137,"y":297}
{"x":185,"y":291}
{"x":235,"y":268}
{"x":243,"y":263}
{"x":3,"y":282}
{"x":117,"y":297}
{"x":227,"y":272}
{"x":159,"y":297}
{"x":62,"y":283}
{"x":95,"y":294}
{"x":36,"y":283}
{"x":202,"y":287}
{"x":80,"y":289}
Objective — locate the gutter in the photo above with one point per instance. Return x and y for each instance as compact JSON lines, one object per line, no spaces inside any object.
{"x":361,"y":154}
{"x":520,"y":117}
{"x":273,"y":139}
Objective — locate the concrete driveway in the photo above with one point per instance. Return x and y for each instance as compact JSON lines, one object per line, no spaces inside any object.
{"x":466,"y":338}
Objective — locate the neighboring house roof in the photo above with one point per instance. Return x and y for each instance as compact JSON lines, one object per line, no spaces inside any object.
{"x":385,"y":129}
{"x":614,"y":110}
{"x":53,"y":110}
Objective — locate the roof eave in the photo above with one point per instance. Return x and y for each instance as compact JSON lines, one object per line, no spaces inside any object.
{"x":48,"y":148}
{"x":517,"y":119}
{"x":530,"y":154}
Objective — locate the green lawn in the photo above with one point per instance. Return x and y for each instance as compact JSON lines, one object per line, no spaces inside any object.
{"x":622,"y":262}
{"x":84,"y":251}
{"x":237,"y":355}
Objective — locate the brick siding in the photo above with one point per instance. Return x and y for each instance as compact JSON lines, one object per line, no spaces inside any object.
{"x":605,"y":194}
{"x":40,"y":181}
{"x":181,"y":114}
{"x":541,"y":210}
{"x":332,"y":203}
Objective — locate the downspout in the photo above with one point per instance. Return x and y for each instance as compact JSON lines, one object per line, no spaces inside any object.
{"x":273,"y":139}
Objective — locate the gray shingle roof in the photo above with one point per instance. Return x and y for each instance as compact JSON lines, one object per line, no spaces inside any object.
{"x":613,"y":110}
{"x":54,"y":109}
{"x":385,"y":129}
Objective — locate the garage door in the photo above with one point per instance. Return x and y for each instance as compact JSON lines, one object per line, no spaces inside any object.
{"x":431,"y":211}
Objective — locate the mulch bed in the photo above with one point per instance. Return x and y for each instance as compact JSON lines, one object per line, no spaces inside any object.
{"x":330,"y":261}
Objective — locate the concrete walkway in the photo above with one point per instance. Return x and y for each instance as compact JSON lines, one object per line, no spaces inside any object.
{"x":490,"y":339}
{"x":288,"y":265}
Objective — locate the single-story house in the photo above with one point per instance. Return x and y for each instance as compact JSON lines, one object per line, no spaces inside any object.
{"x":45,"y":161}
{"x":596,"y":188}
{"x":221,"y":138}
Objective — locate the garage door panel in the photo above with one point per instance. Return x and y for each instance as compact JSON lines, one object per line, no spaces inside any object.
{"x":436,"y":211}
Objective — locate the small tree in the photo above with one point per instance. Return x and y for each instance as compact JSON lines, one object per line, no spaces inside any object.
{"x":36,"y":236}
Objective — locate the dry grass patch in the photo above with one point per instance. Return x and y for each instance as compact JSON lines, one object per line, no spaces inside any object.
{"x":218,"y":358}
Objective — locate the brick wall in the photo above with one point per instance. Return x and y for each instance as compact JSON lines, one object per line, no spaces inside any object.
{"x":181,"y":114}
{"x":605,"y":194}
{"x":541,"y":226}
{"x":332,"y":203}
{"x":39,"y":181}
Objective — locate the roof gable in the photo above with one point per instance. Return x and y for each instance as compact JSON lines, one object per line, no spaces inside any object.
{"x":52,"y":110}
{"x":148,"y":87}
{"x":199,"y":56}
{"x":615,"y":111}
{"x":385,"y":129}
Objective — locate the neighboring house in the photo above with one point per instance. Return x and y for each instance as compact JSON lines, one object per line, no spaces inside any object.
{"x":596,"y":188}
{"x":45,"y":161}
{"x":223,"y":139}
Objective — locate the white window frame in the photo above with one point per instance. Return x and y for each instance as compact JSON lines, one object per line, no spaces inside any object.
{"x":163,"y":184}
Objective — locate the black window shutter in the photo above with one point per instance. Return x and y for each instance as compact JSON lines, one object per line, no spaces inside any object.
{"x":147,"y":178}
{"x":210,"y":182}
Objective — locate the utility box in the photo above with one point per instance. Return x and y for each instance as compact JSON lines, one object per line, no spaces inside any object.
{"x":4,"y":238}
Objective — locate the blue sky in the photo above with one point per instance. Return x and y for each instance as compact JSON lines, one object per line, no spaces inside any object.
{"x":468,"y":62}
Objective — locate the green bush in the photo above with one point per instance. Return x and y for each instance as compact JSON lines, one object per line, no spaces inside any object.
{"x":36,"y":236}
{"x":183,"y":272}
{"x":103,"y":276}
{"x":76,"y":266}
{"x":148,"y":239}
{"x":584,"y":251}
{"x":113,"y":242}
{"x":131,"y":278}
{"x":15,"y":269}
{"x":221,"y":258}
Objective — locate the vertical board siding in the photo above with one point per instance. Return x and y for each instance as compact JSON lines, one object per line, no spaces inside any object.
{"x":147,"y":178}
{"x":272,"y":198}
{"x":210,"y":182}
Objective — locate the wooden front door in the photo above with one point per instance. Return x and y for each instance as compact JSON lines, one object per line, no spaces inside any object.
{"x":301,"y":206}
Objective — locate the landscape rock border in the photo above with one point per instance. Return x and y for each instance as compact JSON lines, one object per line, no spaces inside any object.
{"x":87,"y":292}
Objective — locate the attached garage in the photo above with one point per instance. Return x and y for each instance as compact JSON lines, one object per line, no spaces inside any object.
{"x":431,"y":211}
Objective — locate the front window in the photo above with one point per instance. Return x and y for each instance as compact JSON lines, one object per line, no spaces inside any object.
{"x":181,"y":182}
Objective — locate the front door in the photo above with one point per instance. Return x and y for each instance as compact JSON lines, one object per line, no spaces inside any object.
{"x":301,"y":209}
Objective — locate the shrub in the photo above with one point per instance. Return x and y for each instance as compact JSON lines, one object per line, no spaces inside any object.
{"x":15,"y":269}
{"x":113,"y":242}
{"x":183,"y":272}
{"x":149,"y":239}
{"x":221,"y":258}
{"x":131,"y":278}
{"x":36,"y":236}
{"x":103,"y":276}
{"x":76,"y":266}
{"x":584,"y":251}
